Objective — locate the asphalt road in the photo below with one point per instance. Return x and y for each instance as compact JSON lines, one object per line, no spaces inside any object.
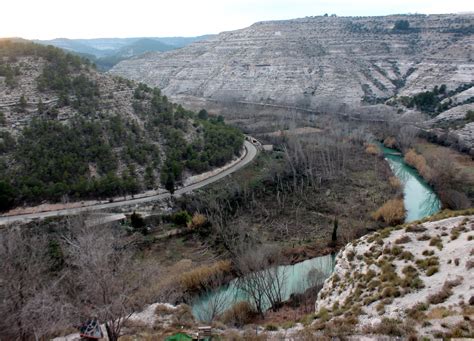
{"x":251,"y":152}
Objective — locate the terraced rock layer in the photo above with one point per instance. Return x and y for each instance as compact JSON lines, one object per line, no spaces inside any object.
{"x":315,"y":62}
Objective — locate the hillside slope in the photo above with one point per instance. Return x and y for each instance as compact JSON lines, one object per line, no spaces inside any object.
{"x":416,"y":280}
{"x":316,"y":61}
{"x":69,"y":132}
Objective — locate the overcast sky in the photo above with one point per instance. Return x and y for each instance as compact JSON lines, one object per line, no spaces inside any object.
{"x":46,"y":19}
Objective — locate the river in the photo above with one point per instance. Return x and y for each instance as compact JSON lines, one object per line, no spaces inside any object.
{"x":420,"y":201}
{"x":419,"y":198}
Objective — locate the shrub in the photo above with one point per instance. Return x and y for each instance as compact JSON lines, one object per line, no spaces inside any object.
{"x":417,"y":311}
{"x":271,"y":327}
{"x":137,"y":221}
{"x":239,"y":314}
{"x":470,"y":264}
{"x":402,"y":25}
{"x":403,"y":240}
{"x":323,"y":315}
{"x":440,"y":296}
{"x":350,"y":255}
{"x":424,"y":264}
{"x":428,"y":253}
{"x":392,"y":212}
{"x":445,"y":291}
{"x":436,"y":241}
{"x":181,"y":218}
{"x":390,"y":142}
{"x":198,"y":220}
{"x":288,"y":325}
{"x":432,"y":270}
{"x":395,"y":182}
{"x":200,"y":277}
{"x":406,"y":255}
{"x":183,"y":316}
{"x":390,"y":291}
{"x":391,"y":327}
{"x":423,"y":237}
{"x":415,"y":228}
{"x":372,"y":149}
{"x":419,"y":163}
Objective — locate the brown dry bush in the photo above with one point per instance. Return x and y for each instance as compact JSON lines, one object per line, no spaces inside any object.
{"x":403,"y":240}
{"x":415,"y":228}
{"x":372,"y":149}
{"x":418,"y":162}
{"x":392,"y":212}
{"x":395,"y":182}
{"x":390,"y":327}
{"x":470,"y":264}
{"x":198,"y":220}
{"x":390,"y":142}
{"x":200,"y":277}
{"x":445,"y":291}
{"x":239,"y":314}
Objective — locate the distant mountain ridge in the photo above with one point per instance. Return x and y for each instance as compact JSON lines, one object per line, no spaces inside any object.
{"x":106,"y":52}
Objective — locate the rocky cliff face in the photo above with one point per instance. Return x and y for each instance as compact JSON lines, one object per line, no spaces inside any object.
{"x":417,"y":279}
{"x":316,"y":62}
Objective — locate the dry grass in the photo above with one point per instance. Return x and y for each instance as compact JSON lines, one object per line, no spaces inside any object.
{"x":395,"y":182}
{"x":462,"y":162}
{"x":198,"y":220}
{"x":445,"y":292}
{"x":438,"y":313}
{"x":436,"y":241}
{"x":419,"y":163}
{"x":390,"y":142}
{"x":239,"y":314}
{"x":415,"y":228}
{"x":372,"y":149}
{"x":392,"y":212}
{"x":390,"y":327}
{"x":470,"y":264}
{"x":162,"y":309}
{"x":203,"y":275}
{"x":248,"y":335}
{"x":425,"y":264}
{"x":403,"y":240}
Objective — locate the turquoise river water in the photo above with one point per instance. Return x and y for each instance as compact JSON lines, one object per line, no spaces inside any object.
{"x":420,"y":201}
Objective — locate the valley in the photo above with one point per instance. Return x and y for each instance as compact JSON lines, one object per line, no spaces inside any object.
{"x":303,"y":179}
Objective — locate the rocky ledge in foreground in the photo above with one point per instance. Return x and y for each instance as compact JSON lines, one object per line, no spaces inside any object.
{"x":417,"y":279}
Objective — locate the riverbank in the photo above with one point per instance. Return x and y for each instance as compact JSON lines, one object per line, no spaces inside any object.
{"x":449,"y":172}
{"x":419,"y":198}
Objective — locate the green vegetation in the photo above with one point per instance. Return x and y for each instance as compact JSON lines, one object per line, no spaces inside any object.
{"x":96,"y":152}
{"x":402,"y":25}
{"x":470,"y":116}
{"x":433,"y":101}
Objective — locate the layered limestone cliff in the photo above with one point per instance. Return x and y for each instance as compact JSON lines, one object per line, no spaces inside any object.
{"x":316,"y":62}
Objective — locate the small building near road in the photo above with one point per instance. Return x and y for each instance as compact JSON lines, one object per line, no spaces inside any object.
{"x":267,"y":147}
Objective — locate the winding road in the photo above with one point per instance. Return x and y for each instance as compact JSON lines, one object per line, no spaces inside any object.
{"x":250,"y":153}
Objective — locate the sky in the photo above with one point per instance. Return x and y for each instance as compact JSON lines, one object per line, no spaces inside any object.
{"x":47,"y":19}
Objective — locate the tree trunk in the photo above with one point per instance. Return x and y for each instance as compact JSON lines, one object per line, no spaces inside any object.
{"x":111,"y":334}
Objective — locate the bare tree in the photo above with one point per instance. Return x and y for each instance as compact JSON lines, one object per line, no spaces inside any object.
{"x":406,"y":137}
{"x":260,"y":278}
{"x":106,"y":281}
{"x":30,"y":307}
{"x":214,"y":300}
